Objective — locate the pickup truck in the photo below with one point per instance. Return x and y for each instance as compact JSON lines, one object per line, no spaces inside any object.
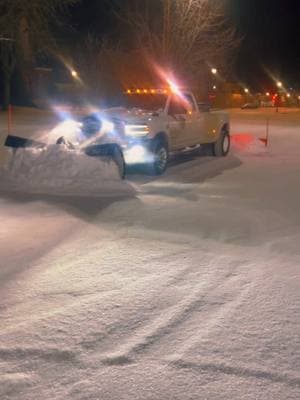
{"x":155,"y":124}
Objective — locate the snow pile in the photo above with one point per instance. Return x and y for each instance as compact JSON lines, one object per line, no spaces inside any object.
{"x":58,"y":170}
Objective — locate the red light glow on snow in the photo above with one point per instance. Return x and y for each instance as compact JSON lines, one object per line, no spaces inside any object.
{"x":242,"y":141}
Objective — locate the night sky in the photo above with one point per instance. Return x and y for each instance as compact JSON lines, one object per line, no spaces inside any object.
{"x":270,"y":31}
{"x":271,"y":40}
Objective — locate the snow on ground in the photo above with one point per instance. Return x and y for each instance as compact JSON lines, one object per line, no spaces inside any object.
{"x":186,"y":289}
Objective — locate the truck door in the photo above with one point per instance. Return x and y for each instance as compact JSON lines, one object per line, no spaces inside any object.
{"x":179,"y":121}
{"x":195,"y":120}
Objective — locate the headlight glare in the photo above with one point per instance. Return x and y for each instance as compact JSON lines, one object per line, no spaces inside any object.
{"x":136,"y":130}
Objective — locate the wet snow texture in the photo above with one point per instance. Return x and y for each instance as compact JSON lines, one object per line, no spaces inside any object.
{"x":187,"y":290}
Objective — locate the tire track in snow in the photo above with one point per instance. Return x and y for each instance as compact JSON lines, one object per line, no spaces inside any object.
{"x":183,"y":312}
{"x":48,"y":354}
{"x":171,"y":282}
{"x":239,"y":371}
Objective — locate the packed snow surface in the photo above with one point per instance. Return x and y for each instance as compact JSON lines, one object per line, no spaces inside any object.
{"x":188,"y":288}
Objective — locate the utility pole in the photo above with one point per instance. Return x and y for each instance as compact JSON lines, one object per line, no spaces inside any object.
{"x":8,"y":61}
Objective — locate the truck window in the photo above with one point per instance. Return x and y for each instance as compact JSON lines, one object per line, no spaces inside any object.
{"x":190,"y":102}
{"x":150,"y":102}
{"x":181,"y":105}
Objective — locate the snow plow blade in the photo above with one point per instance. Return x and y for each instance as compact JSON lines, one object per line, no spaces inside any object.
{"x":108,"y":150}
{"x":103,"y":150}
{"x":19,"y":142}
{"x":15,"y":142}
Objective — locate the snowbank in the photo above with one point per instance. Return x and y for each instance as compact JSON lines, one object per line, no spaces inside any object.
{"x":58,"y":170}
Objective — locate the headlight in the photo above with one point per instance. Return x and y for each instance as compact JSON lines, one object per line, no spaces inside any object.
{"x":136,"y":130}
{"x":107,"y":126}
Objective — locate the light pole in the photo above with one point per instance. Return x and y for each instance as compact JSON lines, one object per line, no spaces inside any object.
{"x":280,"y":88}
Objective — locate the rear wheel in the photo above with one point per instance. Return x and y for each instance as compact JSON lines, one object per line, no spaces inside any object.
{"x":222,"y":146}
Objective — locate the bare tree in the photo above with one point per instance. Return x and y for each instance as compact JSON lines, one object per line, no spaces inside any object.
{"x":185,"y":36}
{"x":96,"y":61}
{"x":31,"y":24}
{"x":106,"y":68}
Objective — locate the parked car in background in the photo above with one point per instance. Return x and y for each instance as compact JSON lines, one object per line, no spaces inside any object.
{"x":267,"y":104}
{"x":252,"y":105}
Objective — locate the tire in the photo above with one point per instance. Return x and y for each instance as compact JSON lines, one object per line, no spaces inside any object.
{"x":222,"y":146}
{"x":161,"y":155}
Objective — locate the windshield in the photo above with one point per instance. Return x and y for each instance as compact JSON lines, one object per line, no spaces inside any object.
{"x":146,"y":101}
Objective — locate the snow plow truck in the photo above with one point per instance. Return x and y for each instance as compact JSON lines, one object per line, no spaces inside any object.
{"x":148,"y":128}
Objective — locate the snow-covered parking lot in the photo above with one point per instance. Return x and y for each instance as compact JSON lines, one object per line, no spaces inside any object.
{"x":179,"y":287}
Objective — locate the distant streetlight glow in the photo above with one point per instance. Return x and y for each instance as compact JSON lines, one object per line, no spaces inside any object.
{"x":267,"y":94}
{"x":279,"y":84}
{"x":288,"y":95}
{"x":246,"y":90}
{"x":214,"y":71}
{"x":214,"y":87}
{"x":74,"y":73}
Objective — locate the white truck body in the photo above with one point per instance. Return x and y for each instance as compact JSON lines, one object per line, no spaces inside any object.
{"x":155,"y":124}
{"x":187,"y":128}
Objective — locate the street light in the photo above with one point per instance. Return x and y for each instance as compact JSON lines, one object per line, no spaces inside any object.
{"x":74,"y":73}
{"x":267,"y":94}
{"x":279,"y":84}
{"x":214,"y":71}
{"x":246,"y":90}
